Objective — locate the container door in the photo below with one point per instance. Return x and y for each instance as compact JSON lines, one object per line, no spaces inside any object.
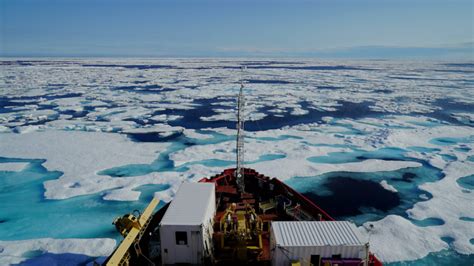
{"x":196,"y":245}
{"x":182,"y":250}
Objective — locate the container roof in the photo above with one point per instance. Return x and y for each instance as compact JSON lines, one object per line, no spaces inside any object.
{"x":190,"y":204}
{"x":315,"y":233}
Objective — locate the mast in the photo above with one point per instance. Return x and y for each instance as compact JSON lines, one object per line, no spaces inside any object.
{"x":239,"y":172}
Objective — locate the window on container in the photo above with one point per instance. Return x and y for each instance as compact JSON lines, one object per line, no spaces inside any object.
{"x":181,"y":238}
{"x":337,"y":256}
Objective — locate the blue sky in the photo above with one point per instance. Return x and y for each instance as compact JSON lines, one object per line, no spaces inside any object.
{"x":324,"y":28}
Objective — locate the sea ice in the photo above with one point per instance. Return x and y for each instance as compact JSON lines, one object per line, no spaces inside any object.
{"x":79,"y":155}
{"x":394,"y":238}
{"x":387,"y":186}
{"x":348,"y":109}
{"x":449,"y":203}
{"x":13,"y":252}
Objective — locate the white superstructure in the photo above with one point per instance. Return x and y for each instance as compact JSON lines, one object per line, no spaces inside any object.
{"x":311,"y":241}
{"x":186,"y":228}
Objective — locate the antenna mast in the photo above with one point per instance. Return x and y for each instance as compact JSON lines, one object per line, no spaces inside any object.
{"x":239,"y":172}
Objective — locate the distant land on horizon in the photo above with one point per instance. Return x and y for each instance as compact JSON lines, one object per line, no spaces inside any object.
{"x":463,"y":52}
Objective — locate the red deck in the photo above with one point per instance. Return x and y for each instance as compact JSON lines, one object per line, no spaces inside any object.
{"x":271,"y":199}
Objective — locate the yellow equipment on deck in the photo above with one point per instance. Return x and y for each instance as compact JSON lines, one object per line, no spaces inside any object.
{"x":241,"y":232}
{"x":131,"y":228}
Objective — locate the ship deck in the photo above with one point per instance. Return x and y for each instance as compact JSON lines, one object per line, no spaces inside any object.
{"x":270,"y":200}
{"x":241,"y":231}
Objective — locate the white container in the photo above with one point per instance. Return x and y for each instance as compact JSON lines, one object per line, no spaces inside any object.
{"x":186,"y":228}
{"x":299,"y":241}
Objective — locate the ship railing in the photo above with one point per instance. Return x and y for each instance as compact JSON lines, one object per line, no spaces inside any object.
{"x":267,"y":205}
{"x":307,"y":202}
{"x":298,"y":213}
{"x":283,"y":201}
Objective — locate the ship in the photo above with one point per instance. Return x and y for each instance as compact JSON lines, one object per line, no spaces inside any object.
{"x":238,"y":217}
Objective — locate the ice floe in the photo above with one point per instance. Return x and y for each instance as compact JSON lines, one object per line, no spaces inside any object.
{"x":13,"y":252}
{"x":395,"y":238}
{"x":449,"y":203}
{"x":79,"y":155}
{"x":387,"y":186}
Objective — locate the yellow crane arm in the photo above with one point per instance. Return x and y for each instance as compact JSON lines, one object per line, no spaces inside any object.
{"x":148,"y":211}
{"x":121,"y":252}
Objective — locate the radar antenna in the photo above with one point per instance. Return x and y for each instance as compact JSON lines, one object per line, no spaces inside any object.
{"x":239,"y":172}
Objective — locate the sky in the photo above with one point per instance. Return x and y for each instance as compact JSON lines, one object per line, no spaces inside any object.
{"x":259,"y":28}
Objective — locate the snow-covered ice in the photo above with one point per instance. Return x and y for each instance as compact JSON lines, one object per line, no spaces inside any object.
{"x":394,"y":238}
{"x":119,"y":131}
{"x":13,"y":252}
{"x":79,"y":155}
{"x":387,"y":186}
